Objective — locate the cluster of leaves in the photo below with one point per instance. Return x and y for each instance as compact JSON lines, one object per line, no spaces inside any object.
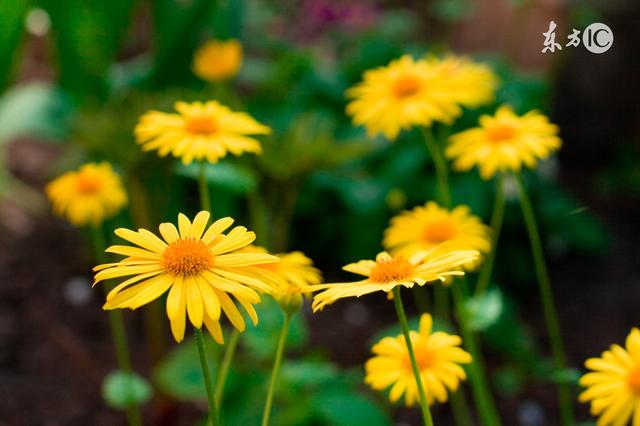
{"x":311,"y":390}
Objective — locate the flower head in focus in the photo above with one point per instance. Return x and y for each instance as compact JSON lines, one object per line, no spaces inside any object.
{"x":409,"y":92}
{"x":87,"y":196}
{"x":218,"y":60}
{"x":199,"y":131}
{"x":426,"y":227}
{"x":439,"y":358}
{"x":197,"y":265}
{"x":613,"y":385}
{"x":504,"y":142}
{"x":387,"y":272}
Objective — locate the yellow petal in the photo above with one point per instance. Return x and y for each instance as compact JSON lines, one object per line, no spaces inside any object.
{"x":184,"y":225}
{"x":169,"y":232}
{"x":175,"y":300}
{"x":194,"y":302}
{"x":199,"y":224}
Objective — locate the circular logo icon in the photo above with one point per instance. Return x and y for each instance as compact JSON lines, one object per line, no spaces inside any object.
{"x":597,"y":38}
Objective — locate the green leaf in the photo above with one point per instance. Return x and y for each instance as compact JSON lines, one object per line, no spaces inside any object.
{"x":522,"y":91}
{"x":568,"y":375}
{"x":344,"y":408}
{"x":511,"y":338}
{"x":262,"y":340}
{"x":88,"y":36}
{"x":11,"y":22}
{"x":35,"y":110}
{"x":308,"y":373}
{"x":227,"y":175}
{"x":122,"y":389}
{"x":179,"y":375}
{"x":178,"y":30}
{"x":484,"y":310}
{"x":547,"y":370}
{"x":304,"y":143}
{"x":451,"y":10}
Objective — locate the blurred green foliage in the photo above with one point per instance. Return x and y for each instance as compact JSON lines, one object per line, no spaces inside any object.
{"x":310,"y":391}
{"x":122,"y":389}
{"x":321,"y":185}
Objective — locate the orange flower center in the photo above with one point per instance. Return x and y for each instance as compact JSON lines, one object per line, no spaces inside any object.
{"x":87,"y":184}
{"x":201,"y":125}
{"x":273,"y":267}
{"x":501,"y":133}
{"x":437,"y":232}
{"x":187,"y":257}
{"x":634,"y":381}
{"x":406,"y":86}
{"x":395,"y":269}
{"x":424,"y":357}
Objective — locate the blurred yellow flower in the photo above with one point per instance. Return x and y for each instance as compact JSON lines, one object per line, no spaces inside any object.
{"x":294,"y":273}
{"x":613,"y":387}
{"x":409,"y":92}
{"x":504,"y":142}
{"x":469,"y":83}
{"x":89,"y":195}
{"x":199,"y":131}
{"x":387,"y":272}
{"x":438,"y":355}
{"x":198,"y":267}
{"x":428,"y":226}
{"x":218,"y":60}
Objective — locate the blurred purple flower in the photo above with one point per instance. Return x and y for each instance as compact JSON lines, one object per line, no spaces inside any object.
{"x":318,"y":16}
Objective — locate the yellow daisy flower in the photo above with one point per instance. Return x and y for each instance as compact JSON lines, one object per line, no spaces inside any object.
{"x":218,"y":60}
{"x":613,"y":387}
{"x":387,"y":272}
{"x":88,"y":195}
{"x":409,"y":92}
{"x":504,"y":142}
{"x":196,"y":265}
{"x":428,"y":226}
{"x":199,"y":131}
{"x":438,"y":355}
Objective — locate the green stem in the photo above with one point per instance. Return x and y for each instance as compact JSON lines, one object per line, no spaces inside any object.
{"x":496,"y":227}
{"x":481,"y":391}
{"x":460,"y":408}
{"x":426,"y":414}
{"x":205,"y":196}
{"x":206,"y":375}
{"x":548,"y":303}
{"x":276,"y":369}
{"x":440,"y":164}
{"x":480,"y":388}
{"x":441,"y":301}
{"x":229,"y":353}
{"x":116,"y":322}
